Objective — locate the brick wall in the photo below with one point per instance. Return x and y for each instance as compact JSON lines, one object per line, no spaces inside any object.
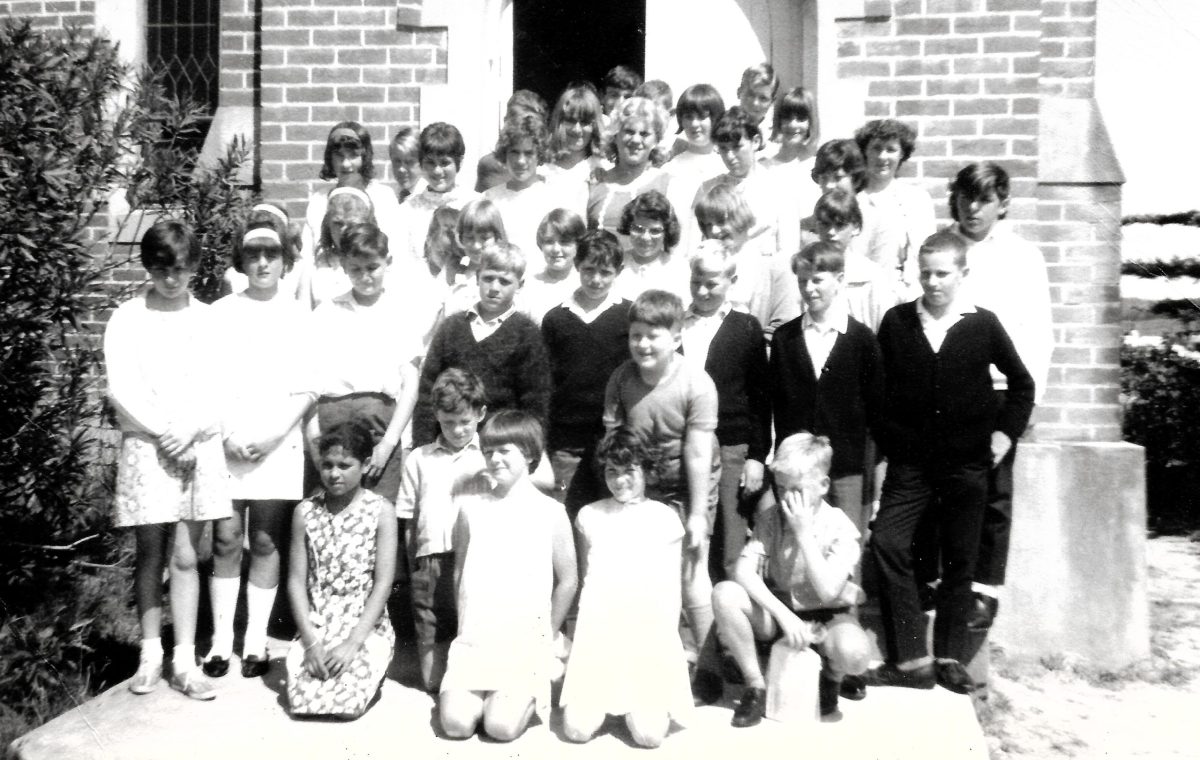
{"x":239,"y":48}
{"x":330,"y":62}
{"x":53,"y":13}
{"x":1068,"y":48}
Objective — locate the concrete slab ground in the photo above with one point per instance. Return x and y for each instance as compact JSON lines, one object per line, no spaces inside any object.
{"x":248,"y":719}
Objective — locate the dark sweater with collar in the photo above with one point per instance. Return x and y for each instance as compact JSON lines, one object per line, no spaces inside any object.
{"x":582,"y":356}
{"x":844,"y":402}
{"x":737,"y":364}
{"x":940,"y":408}
{"x":511,"y":363}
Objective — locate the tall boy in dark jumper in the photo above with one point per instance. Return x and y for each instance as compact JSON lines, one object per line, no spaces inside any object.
{"x":941,"y":432}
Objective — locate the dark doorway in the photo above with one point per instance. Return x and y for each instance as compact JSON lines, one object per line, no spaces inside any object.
{"x":557,"y":41}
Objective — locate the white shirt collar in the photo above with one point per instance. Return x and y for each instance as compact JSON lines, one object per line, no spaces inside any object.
{"x":572,"y":304}
{"x":720,"y":314}
{"x":962,"y":305}
{"x":473,"y":315}
{"x":838,"y":319}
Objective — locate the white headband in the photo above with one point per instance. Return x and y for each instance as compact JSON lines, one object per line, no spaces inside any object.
{"x":262,"y":233}
{"x":272,"y":210}
{"x":351,"y":191}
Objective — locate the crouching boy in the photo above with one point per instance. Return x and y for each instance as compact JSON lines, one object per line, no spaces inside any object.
{"x":792,"y":581}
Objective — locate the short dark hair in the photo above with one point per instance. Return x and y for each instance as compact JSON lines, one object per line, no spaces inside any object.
{"x":622,"y":77}
{"x":360,"y":141}
{"x":457,"y":389}
{"x":734,"y":126}
{"x":700,"y":100}
{"x":624,"y":447}
{"x":837,"y":208}
{"x":977,"y":180}
{"x":658,"y":308}
{"x":170,"y":243}
{"x":519,"y":126}
{"x":946,"y":240}
{"x":654,"y":205}
{"x":263,"y":220}
{"x":887,"y":129}
{"x":600,"y":246}
{"x":844,"y":155}
{"x":352,"y":436}
{"x":517,"y":427}
{"x":798,"y":103}
{"x":822,"y":256}
{"x":561,"y":224}
{"x":364,"y":240}
{"x":441,"y":139}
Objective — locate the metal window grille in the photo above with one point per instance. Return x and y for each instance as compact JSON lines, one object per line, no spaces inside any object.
{"x":183,"y":41}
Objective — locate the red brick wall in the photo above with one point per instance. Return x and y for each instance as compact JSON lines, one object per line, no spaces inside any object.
{"x":53,"y":13}
{"x":331,"y":62}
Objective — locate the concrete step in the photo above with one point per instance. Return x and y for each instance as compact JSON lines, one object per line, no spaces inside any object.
{"x":248,"y":719}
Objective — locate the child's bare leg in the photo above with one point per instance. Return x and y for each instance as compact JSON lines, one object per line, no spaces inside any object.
{"x":506,"y":715}
{"x":459,"y":712}
{"x":268,"y":520}
{"x":737,"y":620}
{"x":648,"y":729}
{"x":846,"y":649}
{"x":697,"y":604}
{"x":147,"y":582}
{"x":580,"y":725}
{"x":185,"y":592}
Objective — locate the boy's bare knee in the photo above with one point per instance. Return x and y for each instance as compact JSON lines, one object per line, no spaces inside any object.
{"x":728,"y":595}
{"x":261,"y":544}
{"x":183,"y":559}
{"x":849,"y":650}
{"x":502,"y":729}
{"x":456,"y":720}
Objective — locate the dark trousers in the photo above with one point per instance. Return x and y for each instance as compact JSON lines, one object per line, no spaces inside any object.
{"x":954,"y":498}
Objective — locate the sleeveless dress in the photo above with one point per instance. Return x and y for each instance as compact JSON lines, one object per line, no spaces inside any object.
{"x":504,"y":640}
{"x":627,"y":655}
{"x":340,"y":574}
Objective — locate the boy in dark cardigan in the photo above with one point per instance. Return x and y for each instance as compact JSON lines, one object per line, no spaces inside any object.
{"x":826,"y":377}
{"x":941,"y":432}
{"x":492,"y":340}
{"x":729,"y":346}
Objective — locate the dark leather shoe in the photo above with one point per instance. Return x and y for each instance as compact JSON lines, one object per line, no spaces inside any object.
{"x":953,"y":676}
{"x":254,"y":666}
{"x":983,"y":612}
{"x":853,"y":688}
{"x":827,"y":693}
{"x":215,"y":667}
{"x":889,"y":675}
{"x":707,"y":687}
{"x":751,"y":708}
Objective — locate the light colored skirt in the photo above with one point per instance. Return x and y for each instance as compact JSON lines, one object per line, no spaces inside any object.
{"x":151,"y":488}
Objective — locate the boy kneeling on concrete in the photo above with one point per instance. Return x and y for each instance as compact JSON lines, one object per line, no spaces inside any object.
{"x":792,"y":581}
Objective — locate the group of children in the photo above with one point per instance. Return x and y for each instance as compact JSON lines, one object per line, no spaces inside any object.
{"x":697,"y":373}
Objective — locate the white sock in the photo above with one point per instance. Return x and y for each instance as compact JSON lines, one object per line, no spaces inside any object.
{"x":183,"y":659}
{"x":152,"y":651}
{"x":224,"y":595}
{"x":986,"y":590}
{"x":259,"y":602}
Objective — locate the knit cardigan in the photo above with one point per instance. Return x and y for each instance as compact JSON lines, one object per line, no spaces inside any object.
{"x":511,"y":363}
{"x":737,"y":364}
{"x":843,"y":402}
{"x":940,"y":407}
{"x":582,"y":356}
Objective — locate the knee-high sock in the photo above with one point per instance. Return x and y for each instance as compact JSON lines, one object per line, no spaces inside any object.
{"x":224,"y":594}
{"x":701,"y":621}
{"x":259,"y":602}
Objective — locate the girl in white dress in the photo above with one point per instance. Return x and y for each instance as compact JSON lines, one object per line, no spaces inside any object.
{"x":795,"y":129}
{"x":265,"y":400}
{"x":347,"y":206}
{"x":515,"y":576}
{"x":627,"y":658}
{"x":160,"y":359}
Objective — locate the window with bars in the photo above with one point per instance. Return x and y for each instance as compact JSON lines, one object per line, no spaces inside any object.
{"x":183,"y":40}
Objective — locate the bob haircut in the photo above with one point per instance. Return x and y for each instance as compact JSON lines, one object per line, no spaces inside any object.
{"x":946,"y":241}
{"x":822,"y":256}
{"x":347,"y":207}
{"x":352,"y":437}
{"x":561,"y":224}
{"x":457,"y":391}
{"x":578,"y":102}
{"x":170,"y":243}
{"x":517,"y":427}
{"x":841,"y":155}
{"x":639,"y":109}
{"x":441,"y":139}
{"x":838,"y":208}
{"x":759,"y":75}
{"x":340,"y":139}
{"x":362,"y":241}
{"x":523,"y":126}
{"x":622,"y":78}
{"x":658,"y":308}
{"x":602,"y":248}
{"x":734,"y":126}
{"x":724,"y":205}
{"x":481,"y":217}
{"x":264,"y":220}
{"x":979,"y":180}
{"x":623,"y":449}
{"x":699,"y":100}
{"x":887,"y":129}
{"x":504,"y":257}
{"x":653,"y":205}
{"x":803,"y":455}
{"x":797,"y":103}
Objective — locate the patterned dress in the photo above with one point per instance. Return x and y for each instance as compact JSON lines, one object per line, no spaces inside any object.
{"x":340,"y":575}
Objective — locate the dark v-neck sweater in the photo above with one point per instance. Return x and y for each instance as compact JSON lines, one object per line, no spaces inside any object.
{"x":511,"y":363}
{"x":843,"y":402}
{"x":941,"y":407}
{"x":737,"y":364}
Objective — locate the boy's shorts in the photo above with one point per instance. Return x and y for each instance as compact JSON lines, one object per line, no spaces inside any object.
{"x":435,"y":614}
{"x":674,"y":493}
{"x":374,"y":410}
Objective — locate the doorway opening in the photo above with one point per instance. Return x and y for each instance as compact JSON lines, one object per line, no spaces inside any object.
{"x":555,"y":43}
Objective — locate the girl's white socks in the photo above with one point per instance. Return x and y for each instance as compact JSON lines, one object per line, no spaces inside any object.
{"x":152,"y":651}
{"x":259,"y":602}
{"x":224,"y":596}
{"x":183,"y":659}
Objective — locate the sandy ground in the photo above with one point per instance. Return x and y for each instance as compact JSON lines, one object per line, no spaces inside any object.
{"x":1053,"y":707}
